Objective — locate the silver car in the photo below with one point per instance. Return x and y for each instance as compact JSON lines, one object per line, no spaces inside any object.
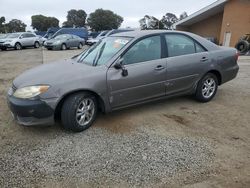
{"x":120,"y":71}
{"x":19,"y":41}
{"x":63,"y":42}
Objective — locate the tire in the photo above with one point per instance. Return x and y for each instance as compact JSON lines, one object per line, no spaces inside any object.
{"x":207,"y":88}
{"x":242,"y":47}
{"x":63,"y":47}
{"x":18,"y":46}
{"x":36,"y":45}
{"x":71,"y":120}
{"x":80,"y":46}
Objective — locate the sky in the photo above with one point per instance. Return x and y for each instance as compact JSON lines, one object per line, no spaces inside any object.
{"x":130,"y":10}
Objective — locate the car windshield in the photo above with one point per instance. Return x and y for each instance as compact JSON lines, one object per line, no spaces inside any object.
{"x":103,"y":51}
{"x":62,"y":37}
{"x":2,"y":36}
{"x":13,"y":35}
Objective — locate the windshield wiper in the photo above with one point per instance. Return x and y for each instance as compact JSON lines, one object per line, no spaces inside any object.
{"x":98,"y":55}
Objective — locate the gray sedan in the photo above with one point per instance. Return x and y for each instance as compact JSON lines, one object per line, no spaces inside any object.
{"x":64,"y":42}
{"x":120,"y":71}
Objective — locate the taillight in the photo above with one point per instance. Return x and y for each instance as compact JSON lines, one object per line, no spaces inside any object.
{"x":237,"y":56}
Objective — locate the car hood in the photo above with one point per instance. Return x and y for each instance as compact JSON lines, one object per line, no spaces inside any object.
{"x":53,"y":73}
{"x":5,"y":39}
{"x":52,"y":40}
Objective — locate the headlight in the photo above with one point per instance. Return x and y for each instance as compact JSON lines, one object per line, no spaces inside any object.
{"x":8,"y":41}
{"x":30,"y":91}
{"x":57,"y":42}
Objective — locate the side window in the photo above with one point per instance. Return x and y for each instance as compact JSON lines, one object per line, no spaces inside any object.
{"x":179,"y":45}
{"x":30,"y":35}
{"x":199,"y":48}
{"x":24,"y":35}
{"x":147,"y":49}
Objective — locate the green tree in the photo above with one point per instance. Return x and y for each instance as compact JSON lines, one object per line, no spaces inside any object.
{"x":104,"y":20}
{"x":2,"y":26}
{"x":75,"y":18}
{"x":42,"y":23}
{"x":15,"y":25}
{"x":150,"y":22}
{"x":168,"y":20}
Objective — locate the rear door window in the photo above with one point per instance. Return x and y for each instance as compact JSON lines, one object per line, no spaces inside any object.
{"x":178,"y":45}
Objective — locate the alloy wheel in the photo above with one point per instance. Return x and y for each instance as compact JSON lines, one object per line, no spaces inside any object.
{"x":208,"y":88}
{"x":85,"y":111}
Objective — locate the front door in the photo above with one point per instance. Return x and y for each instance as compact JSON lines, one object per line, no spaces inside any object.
{"x":146,"y":74}
{"x":24,"y":39}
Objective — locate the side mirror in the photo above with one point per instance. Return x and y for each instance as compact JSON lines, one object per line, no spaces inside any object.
{"x":20,"y":37}
{"x":119,"y":65}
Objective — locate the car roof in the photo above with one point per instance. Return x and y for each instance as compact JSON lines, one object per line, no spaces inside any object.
{"x":142,"y":33}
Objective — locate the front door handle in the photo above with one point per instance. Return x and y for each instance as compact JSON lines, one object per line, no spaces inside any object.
{"x":159,"y":67}
{"x":204,"y":59}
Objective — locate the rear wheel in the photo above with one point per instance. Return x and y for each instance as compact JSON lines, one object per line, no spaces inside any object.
{"x":207,"y":88}
{"x":63,"y":47}
{"x":18,"y":46}
{"x":80,"y":46}
{"x":79,"y":112}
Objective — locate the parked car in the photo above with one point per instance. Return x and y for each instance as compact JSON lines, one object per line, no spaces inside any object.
{"x":93,"y":34}
{"x":63,"y":42}
{"x":2,"y":36}
{"x":92,"y":41}
{"x":19,"y":41}
{"x":80,"y":32}
{"x":106,"y":34}
{"x":120,"y":71}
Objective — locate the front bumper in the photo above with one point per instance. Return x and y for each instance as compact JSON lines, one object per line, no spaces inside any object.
{"x":53,"y":47}
{"x":90,"y":42}
{"x":6,"y":45}
{"x":31,"y":112}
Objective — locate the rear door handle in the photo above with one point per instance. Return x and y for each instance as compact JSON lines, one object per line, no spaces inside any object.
{"x":159,"y":67}
{"x":204,"y":59}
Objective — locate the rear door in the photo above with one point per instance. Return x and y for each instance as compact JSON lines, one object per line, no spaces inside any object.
{"x":70,"y":41}
{"x":146,"y":74}
{"x":185,"y":62}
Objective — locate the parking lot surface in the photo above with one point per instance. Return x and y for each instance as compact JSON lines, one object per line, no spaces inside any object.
{"x":171,"y":143}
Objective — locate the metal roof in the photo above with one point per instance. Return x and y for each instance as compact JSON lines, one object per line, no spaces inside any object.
{"x":202,"y":14}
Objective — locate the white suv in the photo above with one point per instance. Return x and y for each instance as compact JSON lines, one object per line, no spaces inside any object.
{"x":20,"y":40}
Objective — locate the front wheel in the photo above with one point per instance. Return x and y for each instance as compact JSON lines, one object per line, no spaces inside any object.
{"x":18,"y":46}
{"x":36,"y":45}
{"x":79,"y":112}
{"x":63,"y":47}
{"x":207,"y":88}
